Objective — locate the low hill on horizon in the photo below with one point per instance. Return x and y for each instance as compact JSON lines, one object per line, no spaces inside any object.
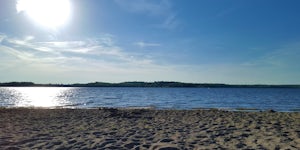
{"x":147,"y":84}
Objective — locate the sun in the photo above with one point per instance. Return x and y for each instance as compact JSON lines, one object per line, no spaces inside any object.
{"x":48,"y":13}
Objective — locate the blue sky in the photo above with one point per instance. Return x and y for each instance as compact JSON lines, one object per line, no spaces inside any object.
{"x":202,"y":41}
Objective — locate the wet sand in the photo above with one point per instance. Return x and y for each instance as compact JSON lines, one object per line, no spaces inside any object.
{"x":147,"y":129}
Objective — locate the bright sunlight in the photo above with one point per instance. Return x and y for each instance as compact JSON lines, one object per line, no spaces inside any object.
{"x":48,"y":13}
{"x":40,"y":96}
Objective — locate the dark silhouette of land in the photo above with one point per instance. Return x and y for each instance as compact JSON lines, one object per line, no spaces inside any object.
{"x":146,"y":84}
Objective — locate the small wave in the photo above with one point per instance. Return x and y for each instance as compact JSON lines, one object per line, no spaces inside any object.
{"x":295,"y":110}
{"x":8,"y":104}
{"x":138,"y":107}
{"x":79,"y":104}
{"x":75,"y":104}
{"x":111,"y":98}
{"x":89,"y":102}
{"x":246,"y":109}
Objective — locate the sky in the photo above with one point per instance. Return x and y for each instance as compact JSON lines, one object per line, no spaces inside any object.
{"x":197,"y":41}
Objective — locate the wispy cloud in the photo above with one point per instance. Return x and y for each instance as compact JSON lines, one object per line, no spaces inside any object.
{"x":161,"y":9}
{"x":88,"y":60}
{"x":285,"y":56}
{"x":149,"y":7}
{"x":91,"y":52}
{"x":2,"y":37}
{"x":75,"y":61}
{"x":171,"y":22}
{"x":145,"y":44}
{"x":101,"y":59}
{"x":29,"y":38}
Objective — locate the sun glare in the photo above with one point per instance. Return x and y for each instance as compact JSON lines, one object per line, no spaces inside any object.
{"x":48,"y":13}
{"x":40,"y":96}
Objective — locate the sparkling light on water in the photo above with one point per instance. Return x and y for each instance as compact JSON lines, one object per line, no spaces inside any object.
{"x":162,"y":98}
{"x":39,"y":96}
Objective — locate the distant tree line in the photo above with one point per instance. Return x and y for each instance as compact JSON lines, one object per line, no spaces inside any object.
{"x":144,"y":84}
{"x":17,"y":84}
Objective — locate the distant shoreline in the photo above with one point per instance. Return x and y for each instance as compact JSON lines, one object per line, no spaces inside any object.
{"x":163,"y":84}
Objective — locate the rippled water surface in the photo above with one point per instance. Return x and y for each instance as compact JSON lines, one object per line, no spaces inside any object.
{"x":161,"y":98}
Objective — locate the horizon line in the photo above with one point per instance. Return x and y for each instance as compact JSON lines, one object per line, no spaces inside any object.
{"x":147,"y":82}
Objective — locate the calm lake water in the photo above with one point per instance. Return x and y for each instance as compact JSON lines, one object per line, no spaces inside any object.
{"x":160,"y":98}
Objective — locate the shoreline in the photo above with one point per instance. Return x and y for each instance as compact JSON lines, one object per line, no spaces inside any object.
{"x":109,"y":128}
{"x":156,"y":108}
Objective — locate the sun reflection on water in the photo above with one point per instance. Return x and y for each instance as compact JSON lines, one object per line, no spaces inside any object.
{"x":40,"y":96}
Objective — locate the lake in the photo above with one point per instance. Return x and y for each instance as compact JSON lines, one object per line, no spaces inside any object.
{"x":279,"y":99}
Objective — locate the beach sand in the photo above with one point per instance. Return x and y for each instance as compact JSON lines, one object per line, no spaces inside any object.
{"x":23,"y":128}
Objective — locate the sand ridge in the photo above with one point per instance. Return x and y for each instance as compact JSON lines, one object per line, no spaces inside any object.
{"x":147,"y":129}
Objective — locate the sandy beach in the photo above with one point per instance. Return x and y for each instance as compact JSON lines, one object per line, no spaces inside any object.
{"x":23,"y":128}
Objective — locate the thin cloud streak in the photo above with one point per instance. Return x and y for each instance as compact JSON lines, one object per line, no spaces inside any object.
{"x":145,"y":44}
{"x":171,"y":22}
{"x":285,"y":56}
{"x":158,"y":9}
{"x":148,"y":7}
